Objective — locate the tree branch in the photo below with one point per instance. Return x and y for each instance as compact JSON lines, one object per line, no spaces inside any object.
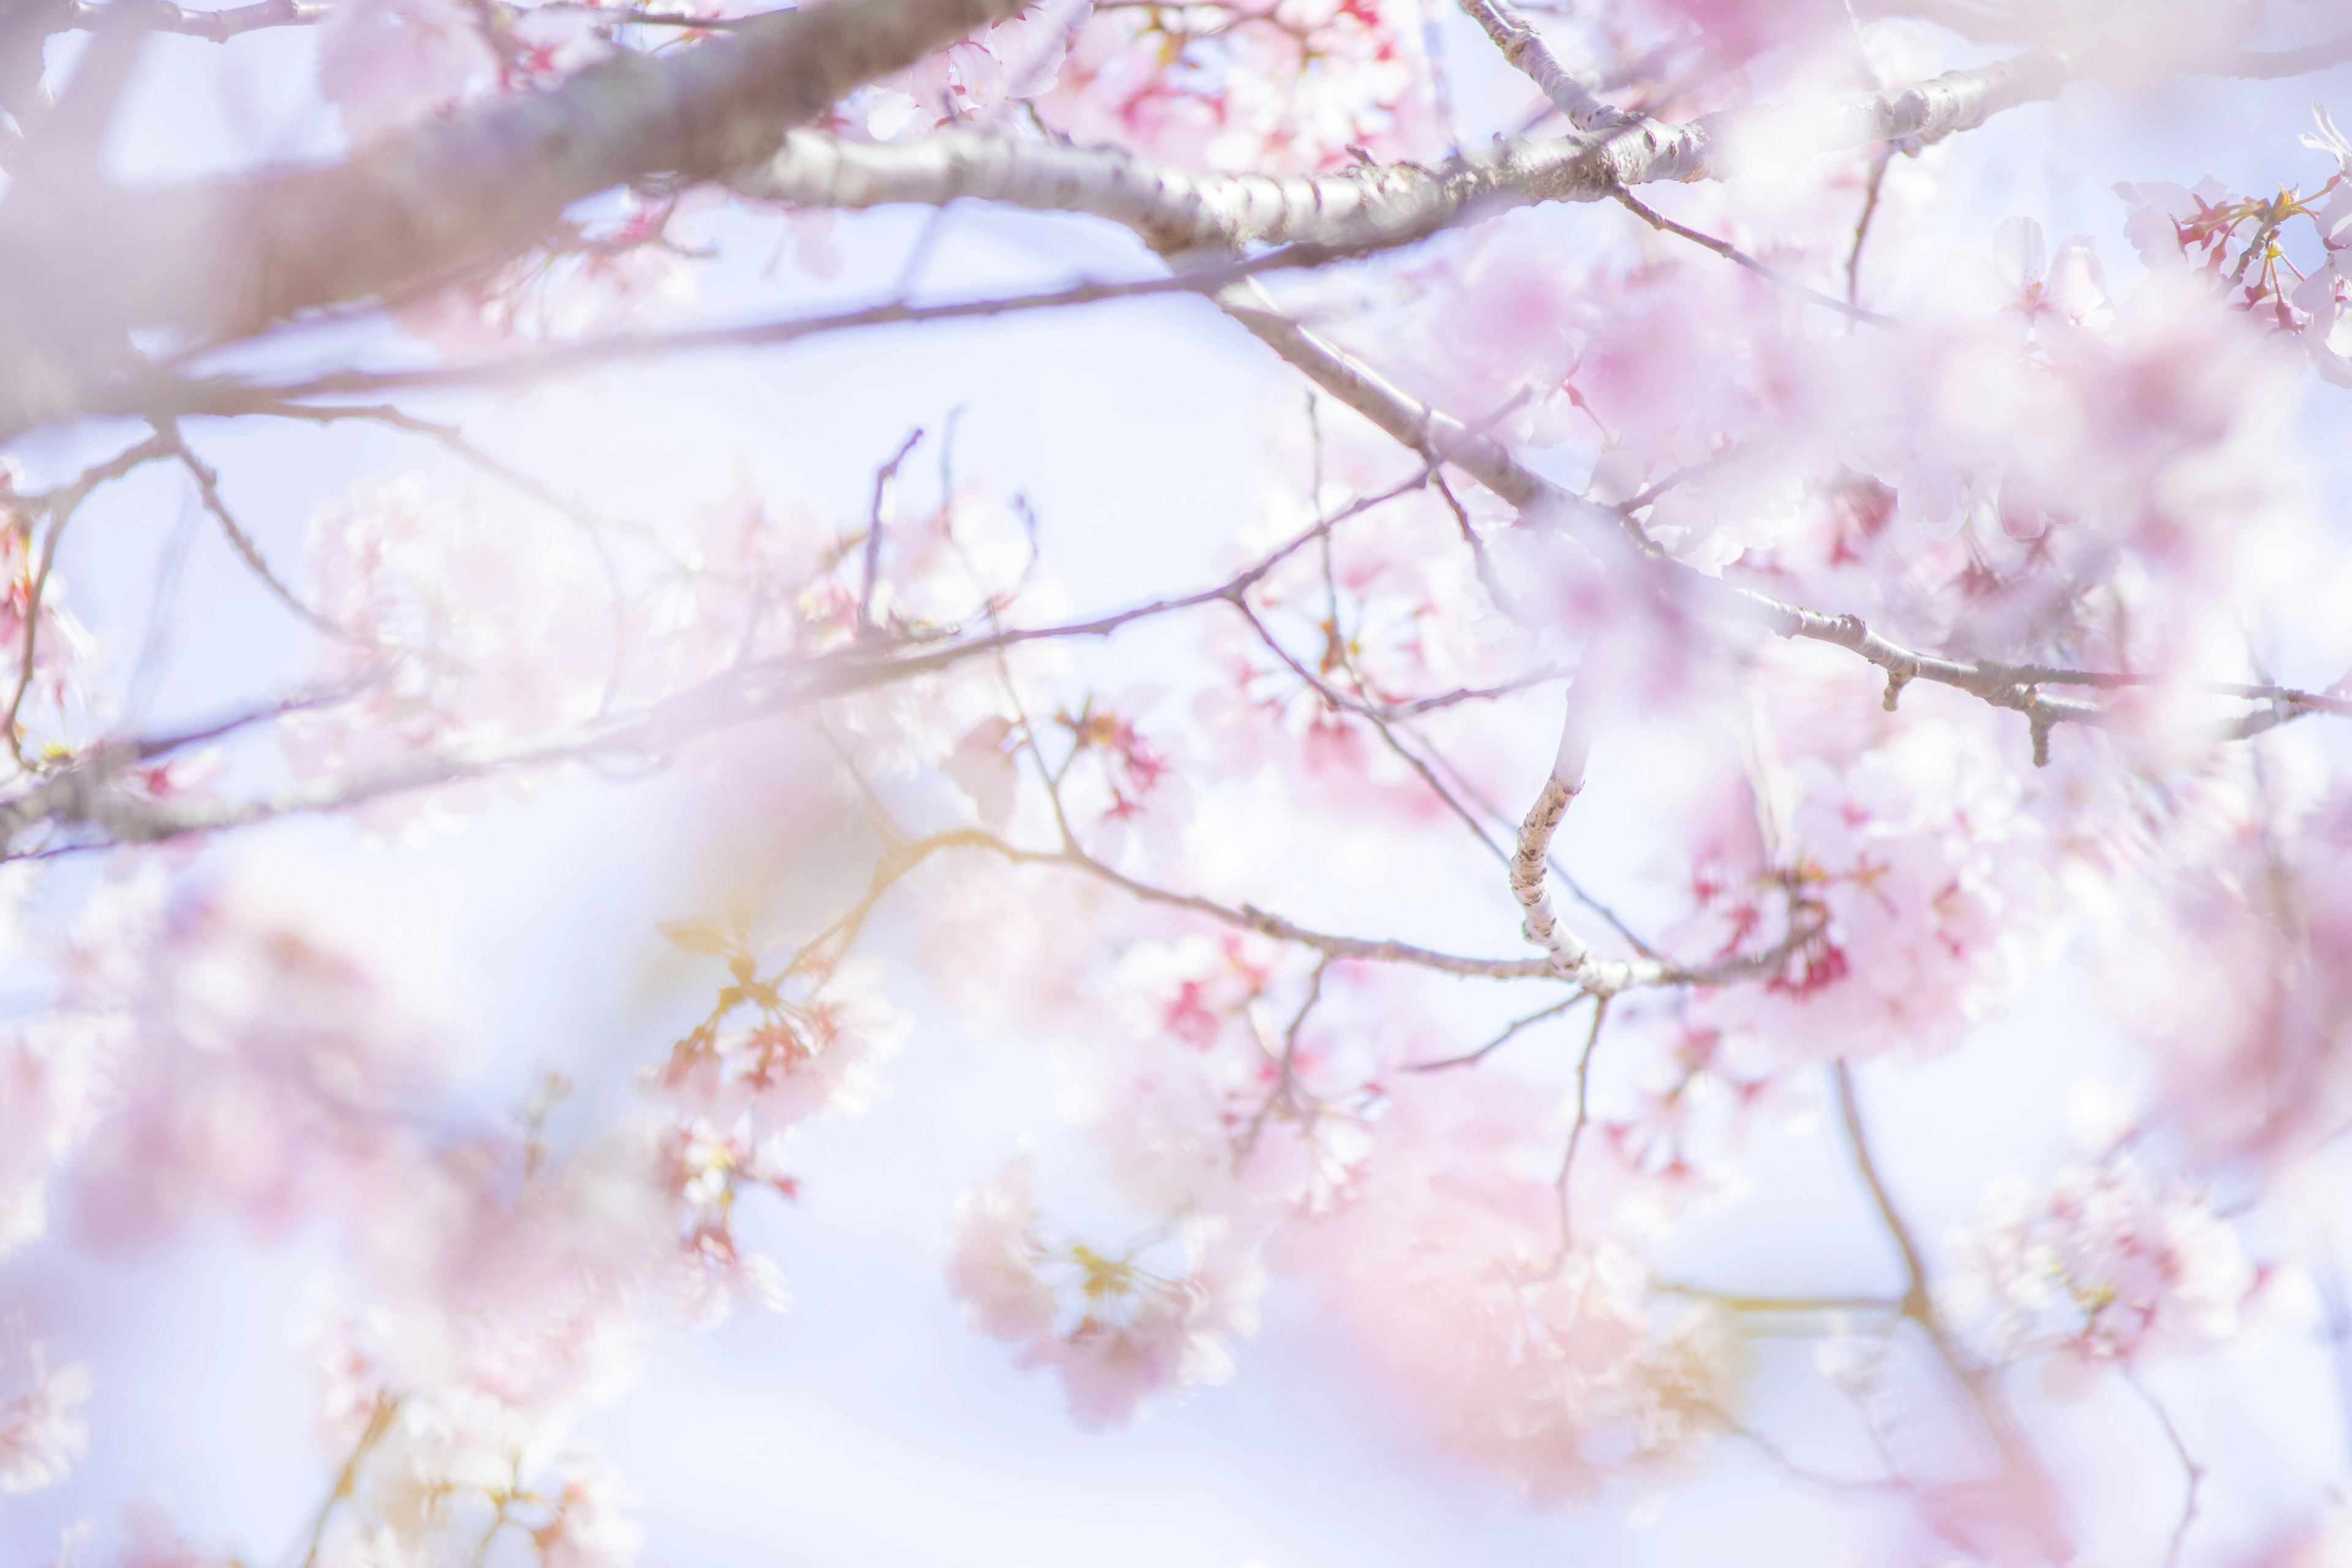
{"x":225,"y":258}
{"x":1610,"y":531}
{"x":215,"y":26}
{"x":1781,"y":281}
{"x":1373,"y":207}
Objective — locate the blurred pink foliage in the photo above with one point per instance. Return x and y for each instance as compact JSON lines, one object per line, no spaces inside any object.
{"x":2074,"y":495}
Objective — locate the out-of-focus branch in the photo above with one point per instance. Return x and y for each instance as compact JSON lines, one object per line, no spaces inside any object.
{"x":57,"y":506}
{"x":1736,"y":1301}
{"x":216,"y":26}
{"x":1872,"y":187}
{"x":1510,"y":1032}
{"x":1576,"y":1128}
{"x":84,"y":794}
{"x":208,"y":482}
{"x":2025,"y":1468}
{"x":2269,"y":65}
{"x":2192,"y":1474}
{"x":1732,"y":253}
{"x":224,"y":258}
{"x":225,"y":397}
{"x":415,"y":205}
{"x":379,"y":1422}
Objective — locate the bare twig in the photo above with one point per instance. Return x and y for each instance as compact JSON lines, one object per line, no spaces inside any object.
{"x":225,"y":396}
{"x":2269,"y":65}
{"x":208,"y":491}
{"x":1471,"y":1059}
{"x":2192,"y":1473}
{"x":58,"y":506}
{"x":1731,"y":252}
{"x":379,"y":1422}
{"x":1918,"y":1305}
{"x":1734,"y":1302}
{"x":886,"y":485}
{"x":413,"y":205}
{"x":215,"y":26}
{"x":2015,"y":687}
{"x":1576,"y":1129}
{"x":1285,"y":1091}
{"x":1870,"y":190}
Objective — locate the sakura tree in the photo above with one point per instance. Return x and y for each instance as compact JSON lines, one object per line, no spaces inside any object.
{"x":1726,"y":620}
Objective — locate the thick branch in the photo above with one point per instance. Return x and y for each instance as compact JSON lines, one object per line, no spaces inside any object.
{"x":1533,"y":59}
{"x":214,"y":26}
{"x":225,"y":258}
{"x":1365,"y":208}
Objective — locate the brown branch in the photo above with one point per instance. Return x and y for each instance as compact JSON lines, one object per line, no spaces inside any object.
{"x":230,"y":398}
{"x":631,"y":16}
{"x":1576,"y":1129}
{"x":1870,"y":193}
{"x":885,"y":489}
{"x":1533,"y":59}
{"x":81,"y":794}
{"x":1734,"y":1302}
{"x":1376,"y":206}
{"x":1731,"y":252}
{"x":1915,"y":1303}
{"x":2260,"y":64}
{"x":1918,"y":1306}
{"x":1471,"y":1059}
{"x":1610,"y":531}
{"x":2192,"y":1473}
{"x":221,"y":258}
{"x":208,"y":491}
{"x":379,"y":1422}
{"x":214,"y":26}
{"x":60,"y":506}
{"x":1284,"y":1093}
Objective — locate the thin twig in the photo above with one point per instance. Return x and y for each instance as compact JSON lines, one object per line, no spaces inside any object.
{"x":60,"y":506}
{"x":1918,"y":1306}
{"x":1731,"y":252}
{"x":1871,"y":188}
{"x":2192,"y":1473}
{"x":223,"y":396}
{"x":1780,"y":1458}
{"x":1734,"y":1302}
{"x":1285,"y":1089}
{"x":886,"y":485}
{"x":214,"y":26}
{"x":208,"y":490}
{"x":379,"y":1422}
{"x":1576,"y":1129}
{"x":1471,"y":1059}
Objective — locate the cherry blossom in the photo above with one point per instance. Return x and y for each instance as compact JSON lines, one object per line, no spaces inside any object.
{"x":1118,"y":1328}
{"x":1615,"y":655}
{"x":2114,"y":1265}
{"x":43,"y":1430}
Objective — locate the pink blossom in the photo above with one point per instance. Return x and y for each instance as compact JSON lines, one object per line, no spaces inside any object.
{"x":1926,"y":883}
{"x":589,"y":1530}
{"x":42,"y":1428}
{"x":993,"y":1269}
{"x":1546,"y":1364}
{"x":2112,"y":1262}
{"x":275,"y":1030}
{"x":1120,"y":1330}
{"x":384,"y":63}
